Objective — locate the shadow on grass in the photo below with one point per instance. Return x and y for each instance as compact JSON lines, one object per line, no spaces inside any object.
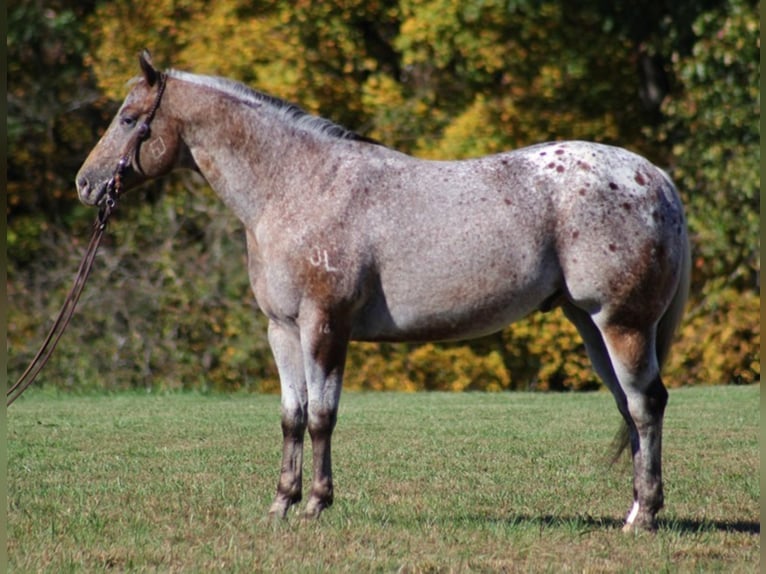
{"x":598,"y":523}
{"x":688,"y":525}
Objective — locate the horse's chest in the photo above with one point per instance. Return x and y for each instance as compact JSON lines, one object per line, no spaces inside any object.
{"x":285,"y":277}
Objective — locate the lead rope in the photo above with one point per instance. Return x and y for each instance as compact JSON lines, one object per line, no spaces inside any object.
{"x":113,"y":191}
{"x":65,"y":315}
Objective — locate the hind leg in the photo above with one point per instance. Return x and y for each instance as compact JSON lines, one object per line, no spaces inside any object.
{"x":647,"y":411}
{"x":625,"y":359}
{"x":633,"y":356}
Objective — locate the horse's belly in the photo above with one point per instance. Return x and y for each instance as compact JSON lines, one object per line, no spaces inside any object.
{"x":441,"y":314}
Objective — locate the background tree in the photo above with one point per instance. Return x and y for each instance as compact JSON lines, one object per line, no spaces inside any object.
{"x":171,"y":306}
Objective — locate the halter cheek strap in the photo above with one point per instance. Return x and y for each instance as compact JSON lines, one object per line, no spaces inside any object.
{"x":114,"y":185}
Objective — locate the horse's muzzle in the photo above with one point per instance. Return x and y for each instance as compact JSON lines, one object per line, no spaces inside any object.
{"x":89,"y":193}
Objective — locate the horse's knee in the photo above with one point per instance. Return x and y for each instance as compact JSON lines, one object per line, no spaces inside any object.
{"x":293,"y":424}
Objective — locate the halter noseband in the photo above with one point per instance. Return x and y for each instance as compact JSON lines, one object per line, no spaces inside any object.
{"x":114,"y":185}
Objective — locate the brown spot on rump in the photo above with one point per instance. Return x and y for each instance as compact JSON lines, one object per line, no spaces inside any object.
{"x":559,"y":151}
{"x":583,"y":165}
{"x":612,"y":247}
{"x":640,"y":179}
{"x":560,"y":168}
{"x":613,"y":185}
{"x":551,"y":165}
{"x":575,"y":234}
{"x":626,"y":206}
{"x":582,"y":191}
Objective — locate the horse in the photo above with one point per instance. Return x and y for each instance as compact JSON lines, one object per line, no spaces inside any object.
{"x":350,"y":240}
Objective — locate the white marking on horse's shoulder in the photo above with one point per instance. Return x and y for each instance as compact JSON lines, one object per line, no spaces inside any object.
{"x":320,"y":258}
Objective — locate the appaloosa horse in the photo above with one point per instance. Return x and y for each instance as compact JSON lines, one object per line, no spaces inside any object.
{"x":350,"y":240}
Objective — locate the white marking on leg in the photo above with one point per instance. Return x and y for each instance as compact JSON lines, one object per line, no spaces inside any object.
{"x":633,"y":513}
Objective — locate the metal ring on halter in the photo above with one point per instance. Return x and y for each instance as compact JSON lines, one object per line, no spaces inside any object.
{"x":143,"y":131}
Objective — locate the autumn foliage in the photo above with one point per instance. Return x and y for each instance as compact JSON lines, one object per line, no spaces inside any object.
{"x":169,"y":304}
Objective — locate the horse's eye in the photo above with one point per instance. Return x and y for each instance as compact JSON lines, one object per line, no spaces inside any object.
{"x":128,"y":121}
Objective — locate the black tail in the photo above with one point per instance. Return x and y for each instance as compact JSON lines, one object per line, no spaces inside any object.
{"x":620,"y":442}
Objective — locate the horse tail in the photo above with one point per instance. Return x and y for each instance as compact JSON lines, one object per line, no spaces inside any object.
{"x":666,"y":329}
{"x":671,"y":319}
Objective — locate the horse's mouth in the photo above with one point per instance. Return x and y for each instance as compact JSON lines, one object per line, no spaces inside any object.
{"x":100,"y":196}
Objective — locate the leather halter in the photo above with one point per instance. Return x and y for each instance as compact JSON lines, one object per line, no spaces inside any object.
{"x":108,"y":206}
{"x":114,"y":185}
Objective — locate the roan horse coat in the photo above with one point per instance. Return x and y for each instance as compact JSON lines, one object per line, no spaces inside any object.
{"x":350,"y":240}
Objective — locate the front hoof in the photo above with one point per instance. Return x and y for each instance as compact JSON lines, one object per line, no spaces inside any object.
{"x":315,"y":507}
{"x":280,"y":506}
{"x":277,"y":512}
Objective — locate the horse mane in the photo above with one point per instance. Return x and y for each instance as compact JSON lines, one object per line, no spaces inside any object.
{"x":290,"y":112}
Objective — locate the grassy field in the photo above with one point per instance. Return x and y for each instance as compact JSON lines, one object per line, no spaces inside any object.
{"x":424,"y":483}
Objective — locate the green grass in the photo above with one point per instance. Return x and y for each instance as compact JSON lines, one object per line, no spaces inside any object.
{"x":424,"y":483}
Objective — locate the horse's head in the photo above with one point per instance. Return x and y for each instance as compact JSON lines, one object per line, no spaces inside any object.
{"x":143,"y":141}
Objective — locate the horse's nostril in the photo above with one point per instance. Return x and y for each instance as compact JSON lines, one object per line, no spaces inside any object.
{"x":82,"y":184}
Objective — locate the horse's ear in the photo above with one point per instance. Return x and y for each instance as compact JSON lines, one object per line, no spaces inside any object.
{"x":150,"y":72}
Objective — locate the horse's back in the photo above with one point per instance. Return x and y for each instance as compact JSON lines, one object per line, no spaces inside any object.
{"x":463,"y":248}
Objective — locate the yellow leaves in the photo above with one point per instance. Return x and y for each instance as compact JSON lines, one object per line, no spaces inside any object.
{"x":426,"y":31}
{"x":720,"y":342}
{"x":424,"y":367}
{"x":548,"y":353}
{"x":377,"y":367}
{"x":381,"y":97}
{"x":474,"y":133}
{"x":456,"y":369}
{"x":543,"y":351}
{"x":381,"y":91}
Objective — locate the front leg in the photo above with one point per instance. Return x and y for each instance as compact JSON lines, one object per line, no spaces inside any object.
{"x":325,"y":341}
{"x":286,"y":347}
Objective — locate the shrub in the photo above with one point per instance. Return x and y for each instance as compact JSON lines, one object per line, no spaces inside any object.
{"x":719,"y":342}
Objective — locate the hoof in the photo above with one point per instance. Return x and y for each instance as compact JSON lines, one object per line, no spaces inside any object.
{"x":315,"y":507}
{"x":640,"y":521}
{"x":277,"y":512}
{"x":279,"y":508}
{"x":640,"y":527}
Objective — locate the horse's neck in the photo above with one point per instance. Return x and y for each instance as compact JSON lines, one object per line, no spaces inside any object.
{"x":247,"y":156}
